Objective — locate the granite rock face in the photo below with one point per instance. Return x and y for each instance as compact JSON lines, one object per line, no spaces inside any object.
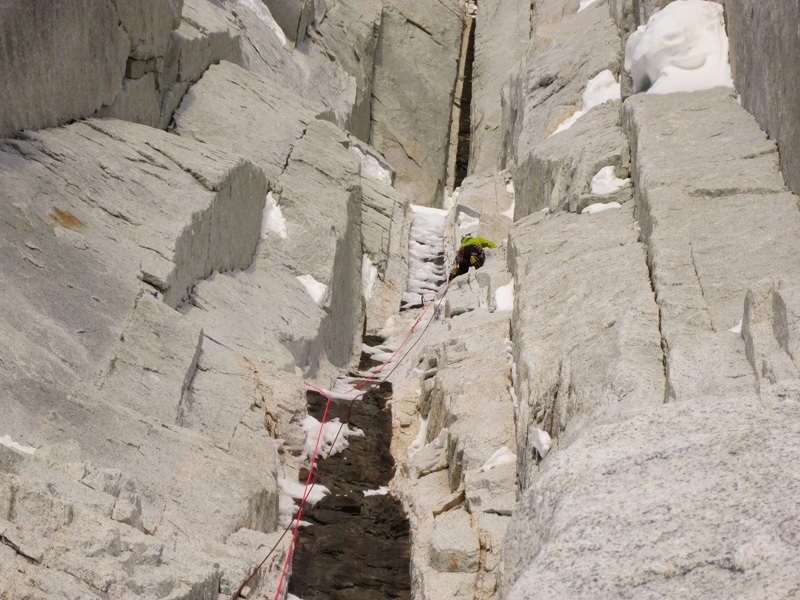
{"x":543,"y":91}
{"x":586,"y":340}
{"x":333,"y":66}
{"x":502,"y":28}
{"x":415,"y":77}
{"x":98,"y":364}
{"x":107,"y":59}
{"x":154,"y":86}
{"x":63,"y":61}
{"x":765,"y":52}
{"x":690,"y":500}
{"x":704,"y":160}
{"x":618,"y":311}
{"x":607,"y":408}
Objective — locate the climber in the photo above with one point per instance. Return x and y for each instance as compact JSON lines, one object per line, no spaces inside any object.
{"x":470,"y":254}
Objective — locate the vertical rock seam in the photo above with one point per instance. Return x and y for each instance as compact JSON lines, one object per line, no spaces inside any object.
{"x":465,"y":112}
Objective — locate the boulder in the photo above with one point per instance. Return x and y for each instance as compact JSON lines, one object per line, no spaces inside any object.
{"x":454,"y":544}
{"x":415,"y":77}
{"x":490,"y":199}
{"x":701,"y":161}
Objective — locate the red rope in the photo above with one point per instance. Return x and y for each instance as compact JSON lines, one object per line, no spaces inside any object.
{"x":309,"y":483}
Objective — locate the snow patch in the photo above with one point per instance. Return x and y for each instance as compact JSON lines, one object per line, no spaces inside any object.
{"x":9,"y":443}
{"x":450,"y":199}
{"x":594,"y":209}
{"x":683,"y":48}
{"x":369,"y":275}
{"x":440,"y":441}
{"x":332,"y":439}
{"x":502,"y":456}
{"x":370,"y":167}
{"x":295,"y":489}
{"x":504,"y":297}
{"x":510,"y":190}
{"x":585,"y":4}
{"x":315,"y":289}
{"x":286,"y":506}
{"x":419,"y":441}
{"x":540,"y":440}
{"x":606,"y":182}
{"x":602,"y":88}
{"x":258,"y":7}
{"x":736,"y":328}
{"x":345,"y":389}
{"x":272,"y":218}
{"x":381,"y":491}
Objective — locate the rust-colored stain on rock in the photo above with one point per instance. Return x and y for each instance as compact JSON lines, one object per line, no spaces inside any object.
{"x":65,"y":219}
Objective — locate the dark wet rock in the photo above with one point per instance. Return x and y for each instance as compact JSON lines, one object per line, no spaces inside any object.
{"x":357,"y":546}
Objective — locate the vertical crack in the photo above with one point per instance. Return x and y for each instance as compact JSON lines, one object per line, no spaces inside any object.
{"x":700,"y":285}
{"x":465,"y":112}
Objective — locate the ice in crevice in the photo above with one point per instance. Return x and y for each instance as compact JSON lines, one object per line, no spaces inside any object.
{"x":426,"y":271}
{"x":585,"y":4}
{"x":510,"y":190}
{"x":502,"y":456}
{"x":504,"y":297}
{"x":369,"y":276}
{"x":272,"y":219}
{"x":316,"y":289}
{"x":606,"y":182}
{"x":370,"y":167}
{"x":599,"y":207}
{"x":540,"y":439}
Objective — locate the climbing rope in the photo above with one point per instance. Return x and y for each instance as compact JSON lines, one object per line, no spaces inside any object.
{"x":313,"y":477}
